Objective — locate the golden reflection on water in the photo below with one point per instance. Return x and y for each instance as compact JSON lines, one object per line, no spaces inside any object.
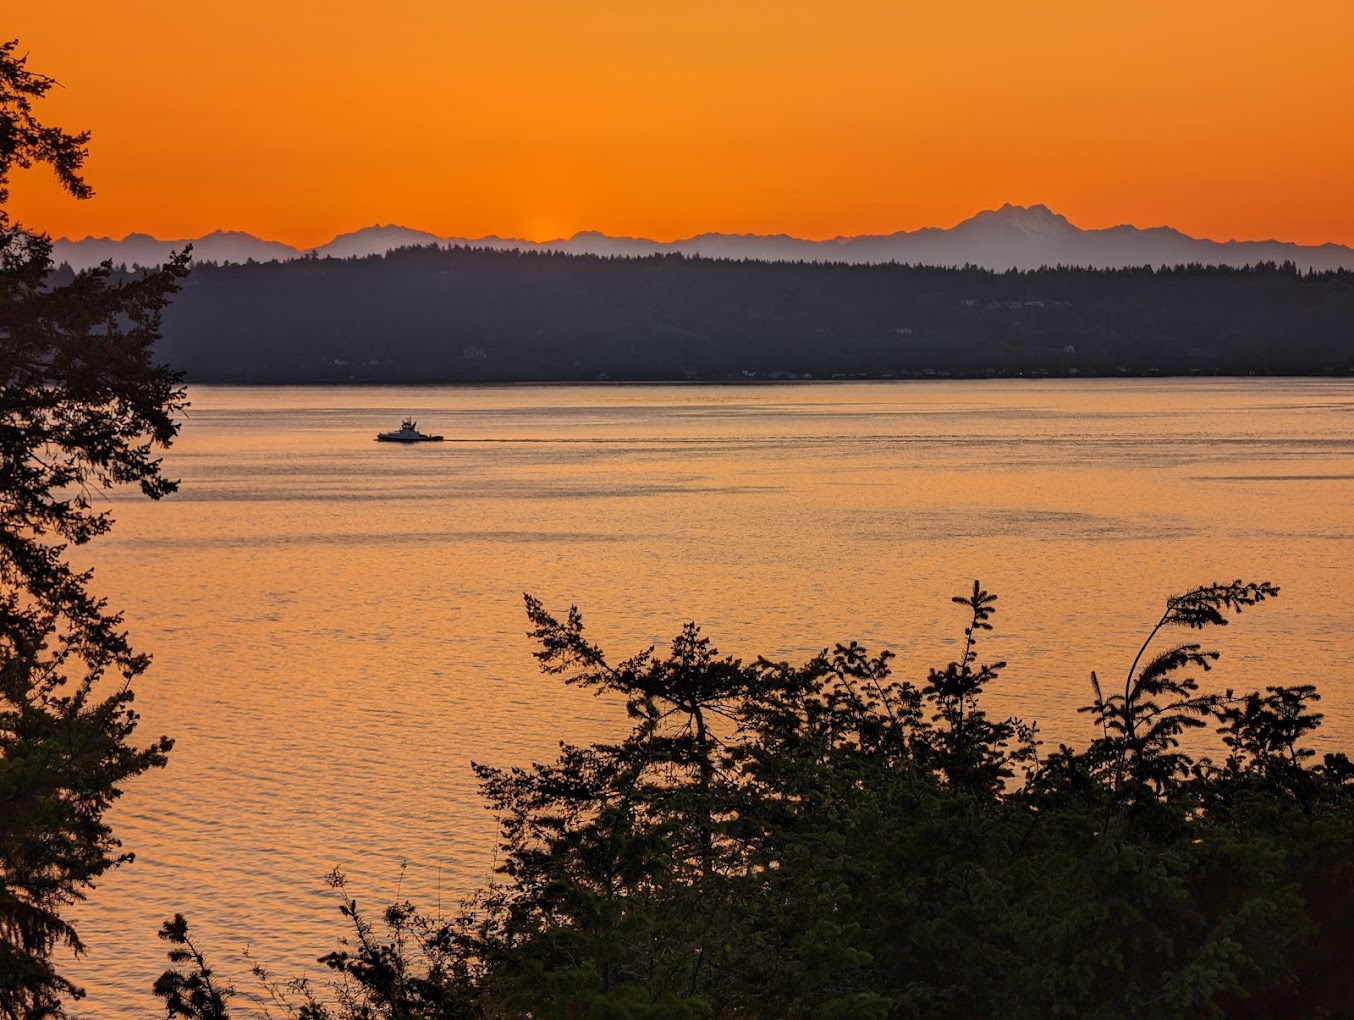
{"x":338,"y":631}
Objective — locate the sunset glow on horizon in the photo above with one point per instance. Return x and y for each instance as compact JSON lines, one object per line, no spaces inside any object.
{"x":296,"y":122}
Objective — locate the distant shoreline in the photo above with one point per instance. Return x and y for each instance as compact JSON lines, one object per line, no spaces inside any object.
{"x":752,"y":383}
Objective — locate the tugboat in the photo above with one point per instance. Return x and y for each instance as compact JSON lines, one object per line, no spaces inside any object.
{"x":408,"y":433}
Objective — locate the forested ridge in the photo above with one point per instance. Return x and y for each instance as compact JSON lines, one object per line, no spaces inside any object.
{"x":452,"y":315}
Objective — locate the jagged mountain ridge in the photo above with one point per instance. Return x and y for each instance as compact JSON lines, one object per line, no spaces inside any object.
{"x":1012,"y":237}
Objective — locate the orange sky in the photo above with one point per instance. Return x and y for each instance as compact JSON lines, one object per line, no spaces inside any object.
{"x":296,"y":120}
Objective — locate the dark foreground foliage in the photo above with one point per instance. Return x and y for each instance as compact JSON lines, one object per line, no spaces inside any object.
{"x":828,"y":840}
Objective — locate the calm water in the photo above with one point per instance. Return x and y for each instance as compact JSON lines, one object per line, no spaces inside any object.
{"x":338,"y":631}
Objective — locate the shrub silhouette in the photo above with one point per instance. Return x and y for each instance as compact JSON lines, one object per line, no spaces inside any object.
{"x":828,"y":840}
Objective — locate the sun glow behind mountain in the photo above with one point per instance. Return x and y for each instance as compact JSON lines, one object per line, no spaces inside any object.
{"x":300,"y":121}
{"x":1012,"y":237}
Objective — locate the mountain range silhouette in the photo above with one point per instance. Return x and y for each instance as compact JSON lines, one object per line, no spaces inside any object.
{"x":1012,"y":237}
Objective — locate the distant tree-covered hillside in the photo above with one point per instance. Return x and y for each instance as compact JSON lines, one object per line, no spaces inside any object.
{"x":460,"y":314}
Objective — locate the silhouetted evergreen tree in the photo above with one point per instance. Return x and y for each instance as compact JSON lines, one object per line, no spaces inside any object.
{"x":189,"y":992}
{"x":83,"y":407}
